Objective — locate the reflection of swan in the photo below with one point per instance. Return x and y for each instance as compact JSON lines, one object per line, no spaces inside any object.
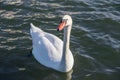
{"x":69,"y":75}
{"x":51,"y":51}
{"x":43,"y":73}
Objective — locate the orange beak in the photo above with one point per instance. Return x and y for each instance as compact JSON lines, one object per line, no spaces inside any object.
{"x":61,"y":26}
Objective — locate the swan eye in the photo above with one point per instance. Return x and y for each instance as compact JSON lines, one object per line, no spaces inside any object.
{"x":65,"y":20}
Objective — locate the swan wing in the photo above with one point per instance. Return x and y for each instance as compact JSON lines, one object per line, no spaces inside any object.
{"x":57,"y":42}
{"x":47,"y":48}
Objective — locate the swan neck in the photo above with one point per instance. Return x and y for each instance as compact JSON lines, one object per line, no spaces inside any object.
{"x":65,"y":59}
{"x":66,"y":43}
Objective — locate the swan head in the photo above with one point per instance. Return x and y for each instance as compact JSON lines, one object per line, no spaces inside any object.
{"x":66,"y":21}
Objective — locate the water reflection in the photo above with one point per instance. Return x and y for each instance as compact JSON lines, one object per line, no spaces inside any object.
{"x":48,"y":74}
{"x":69,"y":75}
{"x":59,"y":76}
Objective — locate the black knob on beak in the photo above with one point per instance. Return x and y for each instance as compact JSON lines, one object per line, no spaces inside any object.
{"x":58,"y":29}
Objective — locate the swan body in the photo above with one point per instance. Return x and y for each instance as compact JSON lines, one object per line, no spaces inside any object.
{"x":51,"y":51}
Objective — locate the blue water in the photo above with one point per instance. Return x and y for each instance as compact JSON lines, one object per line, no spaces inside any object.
{"x":95,"y":38}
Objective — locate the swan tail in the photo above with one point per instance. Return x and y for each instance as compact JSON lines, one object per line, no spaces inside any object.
{"x":35,"y":29}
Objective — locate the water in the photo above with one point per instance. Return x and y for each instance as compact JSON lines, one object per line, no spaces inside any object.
{"x":95,"y":38}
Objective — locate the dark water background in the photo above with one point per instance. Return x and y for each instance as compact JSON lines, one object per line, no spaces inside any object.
{"x":95,"y":38}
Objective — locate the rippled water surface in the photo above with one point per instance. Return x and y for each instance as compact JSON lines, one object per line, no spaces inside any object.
{"x":95,"y":38}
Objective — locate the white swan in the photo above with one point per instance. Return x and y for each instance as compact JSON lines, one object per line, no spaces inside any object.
{"x":51,"y":51}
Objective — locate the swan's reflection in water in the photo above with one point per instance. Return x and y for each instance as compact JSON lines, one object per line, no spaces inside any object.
{"x":48,"y":74}
{"x":69,"y":75}
{"x":58,"y":76}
